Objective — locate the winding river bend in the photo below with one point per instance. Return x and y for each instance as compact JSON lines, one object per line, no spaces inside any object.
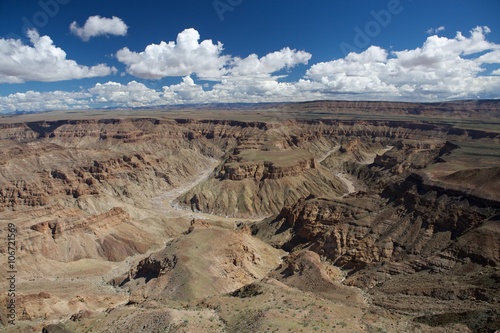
{"x":166,"y":204}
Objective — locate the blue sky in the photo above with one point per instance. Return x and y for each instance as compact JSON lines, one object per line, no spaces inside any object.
{"x":75,"y":54}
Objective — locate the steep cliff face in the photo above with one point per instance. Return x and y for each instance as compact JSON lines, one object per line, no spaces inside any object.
{"x":89,"y":174}
{"x":110,"y":236}
{"x":471,"y":108}
{"x":411,"y":228}
{"x":263,"y":170}
{"x":17,"y":131}
{"x":251,"y":198}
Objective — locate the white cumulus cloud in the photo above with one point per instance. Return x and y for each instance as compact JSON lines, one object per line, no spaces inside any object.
{"x":42,"y":61}
{"x":442,"y":68}
{"x":42,"y":101}
{"x":270,"y":63}
{"x":133,"y":94}
{"x":185,"y":57}
{"x":186,"y":92}
{"x":99,"y":26}
{"x":232,"y":90}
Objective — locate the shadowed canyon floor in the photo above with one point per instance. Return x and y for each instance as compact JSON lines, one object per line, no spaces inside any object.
{"x":306,"y":217}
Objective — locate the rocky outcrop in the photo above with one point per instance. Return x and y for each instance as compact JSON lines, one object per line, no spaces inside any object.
{"x":252,"y":198}
{"x":471,"y":108}
{"x":52,"y":228}
{"x":305,"y":271}
{"x":263,"y":170}
{"x":21,"y":193}
{"x":309,"y":218}
{"x":420,"y":228}
{"x":17,"y":131}
{"x":110,"y":235}
{"x":153,"y":268}
{"x":75,"y":182}
{"x":223,"y":261}
{"x":411,"y":155}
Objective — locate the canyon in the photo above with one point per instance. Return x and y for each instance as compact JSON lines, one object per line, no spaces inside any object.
{"x":316,"y":217}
